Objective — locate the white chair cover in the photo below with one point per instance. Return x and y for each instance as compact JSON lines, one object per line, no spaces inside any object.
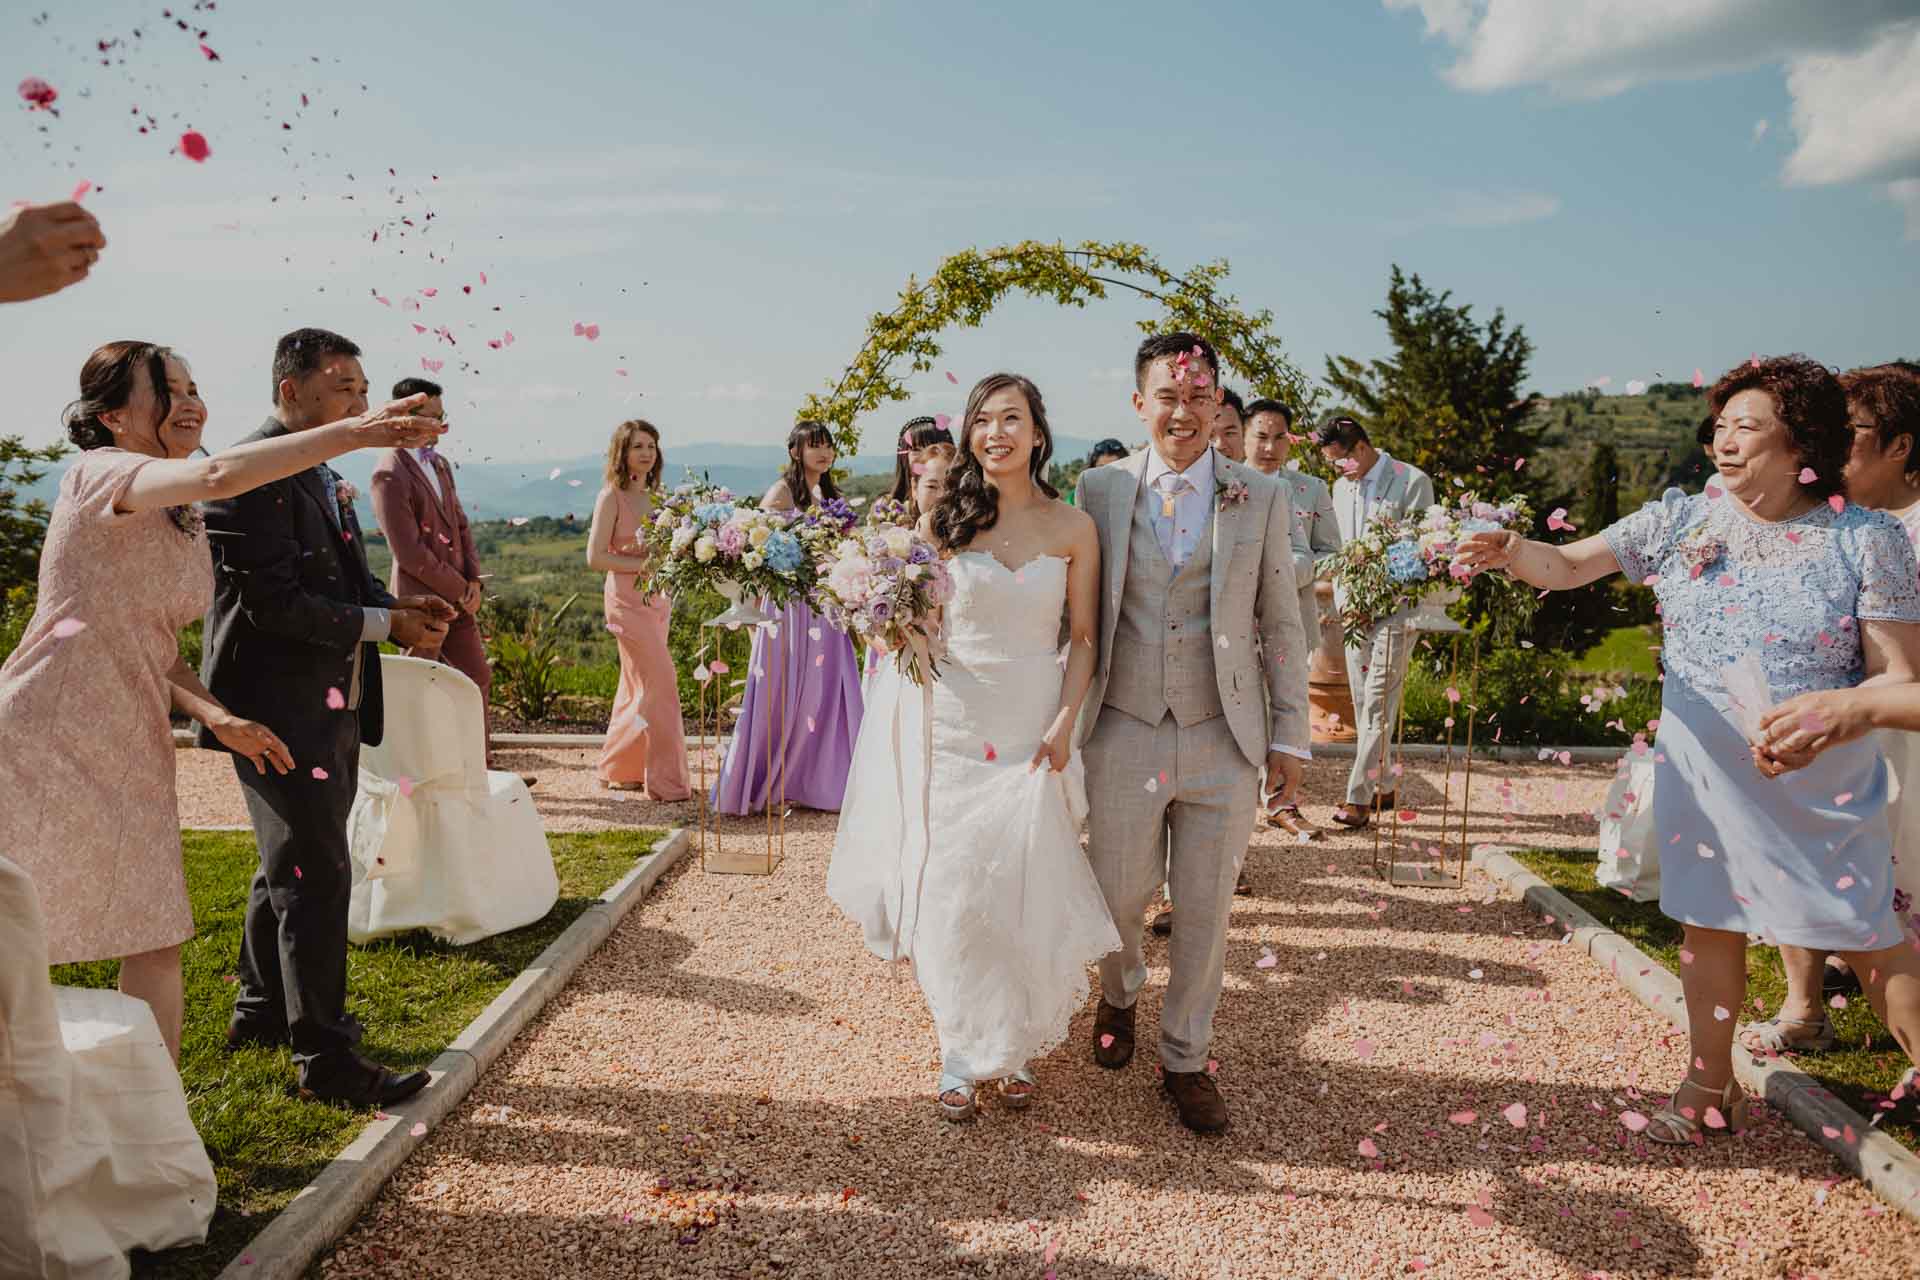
{"x":1629,"y":846}
{"x":437,"y":841}
{"x":97,"y":1153}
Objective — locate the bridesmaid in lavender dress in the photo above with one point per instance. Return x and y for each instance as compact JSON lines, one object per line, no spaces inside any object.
{"x":801,"y":713}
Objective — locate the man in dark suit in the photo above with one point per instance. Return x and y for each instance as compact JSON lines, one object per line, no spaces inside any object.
{"x":292,"y":638}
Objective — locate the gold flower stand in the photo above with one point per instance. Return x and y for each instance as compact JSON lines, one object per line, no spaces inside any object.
{"x":716,"y":856}
{"x":1431,"y":872}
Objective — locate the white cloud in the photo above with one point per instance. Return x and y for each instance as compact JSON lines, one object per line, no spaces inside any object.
{"x":1858,"y":115}
{"x":1593,"y":48}
{"x":1852,"y":66}
{"x":1479,"y":209}
{"x":737,"y":393}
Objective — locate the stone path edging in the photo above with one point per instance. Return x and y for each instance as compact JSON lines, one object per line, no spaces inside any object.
{"x":1889,"y":1169}
{"x":327,"y":1206}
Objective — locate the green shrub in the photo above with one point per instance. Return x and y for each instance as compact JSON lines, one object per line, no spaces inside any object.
{"x":1525,"y":698}
{"x":527,"y":661}
{"x":15,"y":612}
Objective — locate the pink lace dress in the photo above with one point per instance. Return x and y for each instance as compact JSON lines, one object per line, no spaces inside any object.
{"x":88,"y":766}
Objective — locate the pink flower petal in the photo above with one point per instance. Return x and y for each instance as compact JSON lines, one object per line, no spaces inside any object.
{"x":1463,"y":1117}
{"x":1838,"y":503}
{"x":1368,"y":1149}
{"x":1516,"y":1115}
{"x":336,"y":700}
{"x":418,"y":1129}
{"x":193,"y":146}
{"x":1634,"y":1121}
{"x":405,"y":784}
{"x":1479,"y":1217}
{"x":67,"y":628}
{"x":319,"y":774}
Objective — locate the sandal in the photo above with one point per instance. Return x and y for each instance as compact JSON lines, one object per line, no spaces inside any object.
{"x":1676,"y":1126}
{"x":1289,"y":820}
{"x":1016,"y":1091}
{"x":1352,"y":815}
{"x":1838,"y":980}
{"x":1771,"y":1036}
{"x":956,"y":1099}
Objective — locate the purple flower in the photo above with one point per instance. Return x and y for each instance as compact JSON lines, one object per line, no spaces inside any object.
{"x":880,"y":610}
{"x":921,"y":554}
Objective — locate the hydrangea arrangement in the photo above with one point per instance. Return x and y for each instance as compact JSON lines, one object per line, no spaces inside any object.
{"x":1395,"y":563}
{"x":887,"y":583}
{"x":702,"y":536}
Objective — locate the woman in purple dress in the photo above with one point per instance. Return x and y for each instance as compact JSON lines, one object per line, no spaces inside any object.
{"x":801,"y":714}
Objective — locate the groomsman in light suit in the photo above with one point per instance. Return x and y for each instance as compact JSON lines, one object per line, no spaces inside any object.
{"x":1372,"y":482}
{"x":1316,"y":537}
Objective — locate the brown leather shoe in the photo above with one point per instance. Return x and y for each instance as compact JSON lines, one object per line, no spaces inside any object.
{"x":1352,"y":815}
{"x":1113,"y":1036}
{"x":1198,"y":1100}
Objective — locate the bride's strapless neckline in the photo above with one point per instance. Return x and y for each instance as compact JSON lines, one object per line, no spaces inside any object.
{"x":1023,"y":566}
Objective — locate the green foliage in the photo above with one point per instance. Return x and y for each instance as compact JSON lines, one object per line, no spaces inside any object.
{"x":414,"y":993}
{"x":527,"y":662}
{"x":23,"y":525}
{"x":967,"y":286}
{"x":15,"y":612}
{"x":1525,"y":698}
{"x":1448,"y":400}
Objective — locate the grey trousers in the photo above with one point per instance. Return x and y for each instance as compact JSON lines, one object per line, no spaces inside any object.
{"x":1377,"y":686}
{"x":1190,"y":830}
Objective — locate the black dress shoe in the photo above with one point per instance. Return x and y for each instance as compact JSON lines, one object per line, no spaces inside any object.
{"x":359,"y":1082}
{"x":255,"y":1035}
{"x":1162,"y":926}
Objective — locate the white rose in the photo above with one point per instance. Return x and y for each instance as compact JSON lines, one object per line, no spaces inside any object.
{"x":899,"y":541}
{"x":753,"y":560}
{"x":681,"y":537}
{"x":705,"y":549}
{"x":913,"y":572}
{"x":757,"y":536}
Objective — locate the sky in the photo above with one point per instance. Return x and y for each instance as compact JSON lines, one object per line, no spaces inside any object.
{"x":729,"y":190}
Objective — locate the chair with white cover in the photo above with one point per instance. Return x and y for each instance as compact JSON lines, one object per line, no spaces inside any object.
{"x":97,"y":1152}
{"x":438,"y":841}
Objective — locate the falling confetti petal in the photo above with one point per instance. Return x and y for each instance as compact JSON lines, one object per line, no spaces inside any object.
{"x":319,"y":774}
{"x":1838,"y":503}
{"x":405,"y":784}
{"x":1843,"y":797}
{"x":991,"y":753}
{"x":80,"y":192}
{"x":336,"y":700}
{"x":1720,"y":1013}
{"x":591,"y":332}
{"x":950,"y":378}
{"x":431,"y":366}
{"x":193,"y":146}
{"x":38,"y":94}
{"x":67,"y":628}
{"x":1808,"y":475}
{"x":1106,"y":1041}
{"x":1699,"y":380}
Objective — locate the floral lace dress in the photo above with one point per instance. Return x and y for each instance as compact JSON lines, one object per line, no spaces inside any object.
{"x":1802,"y":859}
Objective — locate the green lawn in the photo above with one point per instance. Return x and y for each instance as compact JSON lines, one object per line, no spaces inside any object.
{"x":1625,"y":650}
{"x":1862,"y":1068}
{"x":414,"y":994}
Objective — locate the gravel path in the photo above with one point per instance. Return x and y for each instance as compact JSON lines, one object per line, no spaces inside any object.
{"x":734,"y":1087}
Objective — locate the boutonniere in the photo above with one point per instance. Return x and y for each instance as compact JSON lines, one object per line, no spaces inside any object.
{"x":346,"y":494}
{"x":1703,"y":549}
{"x":1230,"y":493}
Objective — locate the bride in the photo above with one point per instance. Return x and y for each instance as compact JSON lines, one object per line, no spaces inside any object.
{"x":989,"y":894}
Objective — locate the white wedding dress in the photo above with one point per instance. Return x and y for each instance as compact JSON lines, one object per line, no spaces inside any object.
{"x":997,"y":909}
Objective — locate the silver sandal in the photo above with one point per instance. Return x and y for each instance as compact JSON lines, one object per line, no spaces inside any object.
{"x":1674,"y":1125}
{"x":1771,"y":1036}
{"x":1017,"y":1100}
{"x":956,"y":1112}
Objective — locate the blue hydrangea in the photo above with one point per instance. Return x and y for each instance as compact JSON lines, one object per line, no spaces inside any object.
{"x":1404,"y":563}
{"x":783,"y":552}
{"x":713,"y":513}
{"x":1475,"y":525}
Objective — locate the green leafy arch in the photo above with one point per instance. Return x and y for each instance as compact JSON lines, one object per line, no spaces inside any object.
{"x":965,"y":288}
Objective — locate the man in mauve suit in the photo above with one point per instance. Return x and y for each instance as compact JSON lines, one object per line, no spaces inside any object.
{"x":1199,"y":630}
{"x":433,"y":553}
{"x":292,"y":641}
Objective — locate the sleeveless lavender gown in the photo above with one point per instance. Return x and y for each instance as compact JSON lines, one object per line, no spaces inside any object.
{"x":809,"y":674}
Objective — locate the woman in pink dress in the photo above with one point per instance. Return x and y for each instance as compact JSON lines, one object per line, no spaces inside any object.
{"x":88,"y":775}
{"x":646,"y":746}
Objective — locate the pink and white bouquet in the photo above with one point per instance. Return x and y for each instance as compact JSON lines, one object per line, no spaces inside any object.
{"x":1394,"y":564}
{"x":887,"y":583}
{"x":704,"y":537}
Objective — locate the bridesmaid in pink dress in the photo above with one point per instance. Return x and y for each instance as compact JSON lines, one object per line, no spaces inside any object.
{"x":646,"y":747}
{"x":90,"y":811}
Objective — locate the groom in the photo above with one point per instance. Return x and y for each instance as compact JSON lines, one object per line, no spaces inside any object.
{"x":1197,"y":608}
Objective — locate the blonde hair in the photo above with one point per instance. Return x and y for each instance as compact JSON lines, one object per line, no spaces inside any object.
{"x":918,"y":458}
{"x":617,"y":473}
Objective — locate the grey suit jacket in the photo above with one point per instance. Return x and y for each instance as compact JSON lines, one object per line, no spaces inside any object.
{"x":1254,"y":601}
{"x":1405,"y":490}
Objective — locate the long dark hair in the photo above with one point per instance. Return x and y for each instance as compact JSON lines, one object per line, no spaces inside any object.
{"x":972,"y":504}
{"x":802,"y":435}
{"x":107,"y":383}
{"x":915,"y":436}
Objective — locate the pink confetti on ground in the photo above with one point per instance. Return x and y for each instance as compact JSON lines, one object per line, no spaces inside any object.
{"x":1267,"y":959}
{"x":1479,"y":1217}
{"x":1368,"y":1148}
{"x":419,"y":1129}
{"x":1516,"y":1115}
{"x":193,"y":145}
{"x":1363,"y":1049}
{"x":1463,"y":1117}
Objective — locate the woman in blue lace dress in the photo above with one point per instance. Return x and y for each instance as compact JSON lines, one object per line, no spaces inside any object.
{"x":1770,"y":585}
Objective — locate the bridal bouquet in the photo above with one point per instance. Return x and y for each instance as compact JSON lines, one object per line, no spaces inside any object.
{"x":704,"y":537}
{"x":887,"y":583}
{"x":1395,"y":563}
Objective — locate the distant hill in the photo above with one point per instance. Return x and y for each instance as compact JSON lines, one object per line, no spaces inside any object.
{"x":1652,"y":432}
{"x":503,"y":490}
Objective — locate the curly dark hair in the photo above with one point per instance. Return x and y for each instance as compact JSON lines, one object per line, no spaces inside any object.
{"x":1809,"y":401}
{"x":972,"y":505}
{"x":918,"y":434}
{"x":1890,"y":395}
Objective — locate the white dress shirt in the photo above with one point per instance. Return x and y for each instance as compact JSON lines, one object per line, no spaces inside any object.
{"x":1179,"y":534}
{"x":425,"y":459}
